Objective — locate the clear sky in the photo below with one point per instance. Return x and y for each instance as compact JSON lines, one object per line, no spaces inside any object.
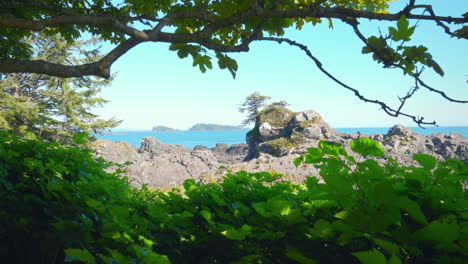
{"x":154,"y":87}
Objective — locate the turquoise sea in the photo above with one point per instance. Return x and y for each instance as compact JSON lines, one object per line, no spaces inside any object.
{"x":210,"y":138}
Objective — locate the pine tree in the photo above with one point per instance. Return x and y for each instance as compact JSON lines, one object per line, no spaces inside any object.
{"x":51,"y":107}
{"x":252,"y":105}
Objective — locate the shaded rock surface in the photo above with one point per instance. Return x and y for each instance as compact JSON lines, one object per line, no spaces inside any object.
{"x":269,"y":148}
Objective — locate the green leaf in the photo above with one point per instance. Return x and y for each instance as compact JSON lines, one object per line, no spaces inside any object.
{"x":371,"y":257}
{"x":203,"y":61}
{"x":225,"y":62}
{"x":439,"y":232}
{"x":153,"y":258}
{"x":329,"y":148}
{"x":119,"y":257}
{"x":388,"y":246}
{"x":295,"y":254}
{"x":147,"y":242}
{"x":237,"y":234}
{"x":367,"y":147}
{"x":413,"y":209}
{"x":427,"y":161}
{"x":82,"y":255}
{"x":404,"y":32}
{"x":297,"y":161}
{"x":279,"y":206}
{"x":394,"y":260}
{"x":206,"y":214}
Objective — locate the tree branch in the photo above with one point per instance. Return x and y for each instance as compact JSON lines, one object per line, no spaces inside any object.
{"x":390,"y":111}
{"x":389,"y":63}
{"x":54,"y":69}
{"x":95,"y":20}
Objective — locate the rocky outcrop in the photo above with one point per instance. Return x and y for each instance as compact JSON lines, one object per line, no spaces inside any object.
{"x":278,"y":137}
{"x":164,"y":165}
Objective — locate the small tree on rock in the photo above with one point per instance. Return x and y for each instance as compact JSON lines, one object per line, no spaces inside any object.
{"x":252,"y":105}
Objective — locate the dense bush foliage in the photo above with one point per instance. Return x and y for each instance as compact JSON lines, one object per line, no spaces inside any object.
{"x":59,"y":205}
{"x":54,"y":198}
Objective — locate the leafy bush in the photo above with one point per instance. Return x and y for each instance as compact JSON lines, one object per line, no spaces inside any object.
{"x":361,"y":212}
{"x":58,"y":205}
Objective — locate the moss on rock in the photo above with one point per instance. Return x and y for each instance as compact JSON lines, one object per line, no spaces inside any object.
{"x":308,"y":123}
{"x":275,"y":116}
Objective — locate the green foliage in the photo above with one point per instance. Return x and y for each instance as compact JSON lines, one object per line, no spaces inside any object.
{"x":367,"y":147}
{"x":50,"y":107}
{"x":58,"y":205}
{"x":363,"y":211}
{"x":252,"y":106}
{"x":407,"y":58}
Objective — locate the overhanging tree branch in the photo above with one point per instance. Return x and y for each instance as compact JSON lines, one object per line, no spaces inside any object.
{"x":389,"y":63}
{"x":196,"y":27}
{"x":390,"y":111}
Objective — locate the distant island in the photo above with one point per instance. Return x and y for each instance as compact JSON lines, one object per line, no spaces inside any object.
{"x":200,"y":127}
{"x":164,"y":129}
{"x":215,"y":127}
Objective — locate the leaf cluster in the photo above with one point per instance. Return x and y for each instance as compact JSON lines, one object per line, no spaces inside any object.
{"x":407,"y":58}
{"x":58,"y":204}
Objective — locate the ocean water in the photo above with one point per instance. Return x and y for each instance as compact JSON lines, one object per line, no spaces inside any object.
{"x":209,"y":138}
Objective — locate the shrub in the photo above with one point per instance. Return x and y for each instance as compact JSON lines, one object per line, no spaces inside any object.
{"x":58,"y":204}
{"x":363,"y":212}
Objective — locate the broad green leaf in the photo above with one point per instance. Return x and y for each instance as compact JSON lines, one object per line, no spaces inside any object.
{"x":206,"y":214}
{"x":313,"y":155}
{"x":261,"y":209}
{"x":439,"y":232}
{"x":82,"y":255}
{"x":371,"y":257}
{"x":154,"y":258}
{"x":297,"y":161}
{"x":295,"y":254}
{"x":237,"y":234}
{"x":427,"y":161}
{"x":329,"y":148}
{"x":388,"y":246}
{"x":367,"y":147}
{"x":146,"y":241}
{"x":394,"y":260}
{"x":119,"y":257}
{"x":413,"y":209}
{"x":279,"y":206}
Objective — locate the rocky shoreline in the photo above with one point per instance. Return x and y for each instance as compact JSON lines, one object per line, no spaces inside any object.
{"x":271,"y":146}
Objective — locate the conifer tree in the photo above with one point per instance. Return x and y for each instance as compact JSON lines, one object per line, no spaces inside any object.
{"x":52,"y":107}
{"x":252,"y":105}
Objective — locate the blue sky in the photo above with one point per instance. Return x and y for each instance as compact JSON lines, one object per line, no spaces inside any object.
{"x":154,"y":87}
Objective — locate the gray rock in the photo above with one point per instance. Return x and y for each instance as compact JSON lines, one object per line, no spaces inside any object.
{"x":268,"y":132}
{"x":200,"y":147}
{"x":399,"y":130}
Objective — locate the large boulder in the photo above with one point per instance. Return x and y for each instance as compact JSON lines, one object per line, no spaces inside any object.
{"x":163,"y":165}
{"x":271,"y":124}
{"x":152,"y":145}
{"x":310,"y":124}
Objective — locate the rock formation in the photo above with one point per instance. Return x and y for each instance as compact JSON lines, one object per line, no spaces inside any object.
{"x":277,"y":138}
